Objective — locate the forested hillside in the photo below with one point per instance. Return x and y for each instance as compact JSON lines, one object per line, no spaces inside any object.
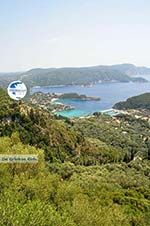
{"x":71,"y":76}
{"x":137,"y":102}
{"x":93,"y":171}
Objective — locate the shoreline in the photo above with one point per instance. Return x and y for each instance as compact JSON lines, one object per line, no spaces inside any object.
{"x":108,"y":99}
{"x":91,"y":84}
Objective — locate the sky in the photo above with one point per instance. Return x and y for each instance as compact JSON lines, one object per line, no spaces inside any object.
{"x":68,"y":33}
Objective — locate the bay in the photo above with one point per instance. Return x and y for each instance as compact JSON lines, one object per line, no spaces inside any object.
{"x":110,"y":93}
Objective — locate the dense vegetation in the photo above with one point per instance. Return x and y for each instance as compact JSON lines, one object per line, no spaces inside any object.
{"x":138,"y":102}
{"x":65,"y":194}
{"x":93,"y":171}
{"x":125,"y":132}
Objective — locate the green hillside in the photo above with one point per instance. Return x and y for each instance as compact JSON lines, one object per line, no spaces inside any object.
{"x":138,"y":102}
{"x":92,"y":171}
{"x":71,"y":76}
{"x":74,"y":76}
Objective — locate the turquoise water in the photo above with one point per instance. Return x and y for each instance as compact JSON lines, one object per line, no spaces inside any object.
{"x":72,"y":113}
{"x":110,"y":93}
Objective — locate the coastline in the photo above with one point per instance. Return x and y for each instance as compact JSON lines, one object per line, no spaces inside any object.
{"x":110,"y":94}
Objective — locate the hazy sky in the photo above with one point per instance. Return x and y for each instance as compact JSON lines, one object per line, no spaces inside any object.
{"x":56,"y":33}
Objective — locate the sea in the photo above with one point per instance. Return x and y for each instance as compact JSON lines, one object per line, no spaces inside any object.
{"x":110,"y":93}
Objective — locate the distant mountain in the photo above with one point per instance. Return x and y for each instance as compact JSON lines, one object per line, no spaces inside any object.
{"x":130,"y":69}
{"x":76,"y":76}
{"x":137,"y":102}
{"x":72,"y":76}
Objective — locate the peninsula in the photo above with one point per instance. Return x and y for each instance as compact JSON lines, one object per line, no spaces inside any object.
{"x":52,"y":101}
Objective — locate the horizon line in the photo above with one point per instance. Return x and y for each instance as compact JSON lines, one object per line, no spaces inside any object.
{"x":61,"y":67}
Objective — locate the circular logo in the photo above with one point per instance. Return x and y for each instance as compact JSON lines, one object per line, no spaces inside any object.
{"x":17,"y":90}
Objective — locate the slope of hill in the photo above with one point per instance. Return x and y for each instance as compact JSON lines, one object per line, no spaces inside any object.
{"x":92,"y":171}
{"x":137,"y":102}
{"x":57,"y":138}
{"x":74,"y":76}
